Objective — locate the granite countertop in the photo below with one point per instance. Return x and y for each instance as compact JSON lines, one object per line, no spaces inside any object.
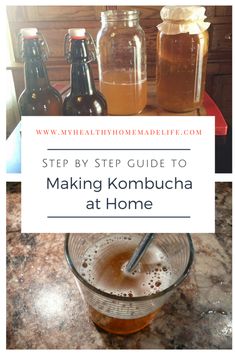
{"x":45,"y":308}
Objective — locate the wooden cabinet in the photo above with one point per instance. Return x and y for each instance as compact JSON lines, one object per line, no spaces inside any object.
{"x":53,"y":22}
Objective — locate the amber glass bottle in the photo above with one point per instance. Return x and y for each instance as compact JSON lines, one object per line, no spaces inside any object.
{"x":38,"y":97}
{"x":84,"y":98}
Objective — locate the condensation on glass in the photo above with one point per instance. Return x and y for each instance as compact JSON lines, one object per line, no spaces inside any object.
{"x":122,"y":62}
{"x":182,"y":50}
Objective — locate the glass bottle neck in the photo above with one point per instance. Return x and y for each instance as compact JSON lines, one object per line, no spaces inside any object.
{"x":35,"y":72}
{"x":82,"y":82}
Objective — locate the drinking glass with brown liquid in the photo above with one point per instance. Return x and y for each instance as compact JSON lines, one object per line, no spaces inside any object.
{"x":121,"y":302}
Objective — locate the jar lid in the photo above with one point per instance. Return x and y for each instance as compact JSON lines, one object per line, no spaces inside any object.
{"x":183,"y":19}
{"x":29,"y":32}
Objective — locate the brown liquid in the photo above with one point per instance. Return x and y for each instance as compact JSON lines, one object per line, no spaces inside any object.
{"x":124,"y":94}
{"x":38,"y":97}
{"x":121,"y":326}
{"x":45,"y":101}
{"x":83,"y":98}
{"x":103,"y":266}
{"x":181,"y":71}
{"x":94,"y":104}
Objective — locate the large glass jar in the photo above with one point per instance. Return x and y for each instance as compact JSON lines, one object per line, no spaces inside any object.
{"x":122,"y":62}
{"x":182,"y":48}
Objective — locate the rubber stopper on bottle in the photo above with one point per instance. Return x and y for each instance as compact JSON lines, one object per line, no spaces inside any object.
{"x":78,"y":33}
{"x":29,"y":32}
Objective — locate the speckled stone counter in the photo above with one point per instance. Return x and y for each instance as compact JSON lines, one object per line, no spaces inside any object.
{"x":45,"y":308}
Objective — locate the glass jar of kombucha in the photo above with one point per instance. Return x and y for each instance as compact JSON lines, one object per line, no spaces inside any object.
{"x":182,"y":49}
{"x":122,"y":62}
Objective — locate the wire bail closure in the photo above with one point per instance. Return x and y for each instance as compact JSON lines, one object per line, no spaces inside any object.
{"x":42,"y":42}
{"x":91,"y":47}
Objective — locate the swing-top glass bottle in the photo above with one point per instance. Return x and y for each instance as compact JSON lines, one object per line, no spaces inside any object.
{"x":84,"y":98}
{"x":38,"y":97}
